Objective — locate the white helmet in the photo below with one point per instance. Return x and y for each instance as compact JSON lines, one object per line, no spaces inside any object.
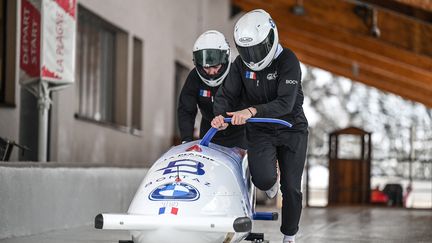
{"x":256,"y":39}
{"x":212,"y":49}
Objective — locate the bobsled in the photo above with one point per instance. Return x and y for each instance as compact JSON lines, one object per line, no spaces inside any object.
{"x":196,"y":192}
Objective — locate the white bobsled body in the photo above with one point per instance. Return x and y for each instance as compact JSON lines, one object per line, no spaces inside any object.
{"x":192,"y":193}
{"x":192,"y":188}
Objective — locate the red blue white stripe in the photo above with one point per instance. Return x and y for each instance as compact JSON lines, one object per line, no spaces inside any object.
{"x":250,"y":75}
{"x":168,"y":210}
{"x":205,"y":93}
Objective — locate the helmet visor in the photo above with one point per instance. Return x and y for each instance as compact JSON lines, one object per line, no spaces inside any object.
{"x":257,"y":53}
{"x":210,"y":77}
{"x":210,"y":57}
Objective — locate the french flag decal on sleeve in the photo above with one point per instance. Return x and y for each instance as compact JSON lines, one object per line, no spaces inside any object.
{"x":250,"y":75}
{"x":168,"y":210}
{"x":205,"y":93}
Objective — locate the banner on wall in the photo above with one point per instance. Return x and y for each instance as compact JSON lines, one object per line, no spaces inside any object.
{"x":47,"y":45}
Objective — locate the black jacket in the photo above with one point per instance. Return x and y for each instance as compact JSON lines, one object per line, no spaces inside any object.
{"x":275,"y":92}
{"x":195,"y":93}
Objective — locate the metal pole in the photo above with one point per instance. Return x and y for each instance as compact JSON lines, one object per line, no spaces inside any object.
{"x":411,"y":153}
{"x":44,"y":102}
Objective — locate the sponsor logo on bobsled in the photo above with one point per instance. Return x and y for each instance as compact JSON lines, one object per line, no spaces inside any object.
{"x":184,"y":166}
{"x":174,"y":191}
{"x":170,"y":204}
{"x":172,"y":177}
{"x":189,"y":154}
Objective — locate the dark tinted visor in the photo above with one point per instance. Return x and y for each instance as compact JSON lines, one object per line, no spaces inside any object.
{"x":257,"y":52}
{"x":210,"y":57}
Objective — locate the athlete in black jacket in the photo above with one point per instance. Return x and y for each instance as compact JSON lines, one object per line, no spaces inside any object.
{"x":267,"y":78}
{"x":212,"y":64}
{"x":196,"y":93}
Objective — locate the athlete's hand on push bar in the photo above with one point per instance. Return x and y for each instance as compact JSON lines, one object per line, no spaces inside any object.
{"x":219,"y":123}
{"x":240,"y":117}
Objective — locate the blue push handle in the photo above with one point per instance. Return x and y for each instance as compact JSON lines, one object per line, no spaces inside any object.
{"x":212,"y":131}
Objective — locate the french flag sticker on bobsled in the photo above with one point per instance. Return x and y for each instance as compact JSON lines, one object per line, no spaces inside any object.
{"x":168,"y":210}
{"x":250,"y":75}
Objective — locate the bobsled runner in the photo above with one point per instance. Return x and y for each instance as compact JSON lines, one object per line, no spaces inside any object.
{"x":196,"y":192}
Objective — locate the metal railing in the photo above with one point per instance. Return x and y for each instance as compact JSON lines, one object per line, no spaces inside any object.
{"x":6,"y":147}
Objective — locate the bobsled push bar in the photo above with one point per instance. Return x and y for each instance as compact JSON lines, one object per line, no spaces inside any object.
{"x":212,"y":131}
{"x":143,"y":222}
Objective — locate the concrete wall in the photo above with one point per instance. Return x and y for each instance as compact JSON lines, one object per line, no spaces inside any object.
{"x":36,"y":200}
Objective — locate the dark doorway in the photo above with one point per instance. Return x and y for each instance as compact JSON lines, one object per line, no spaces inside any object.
{"x":28,"y":125}
{"x":181,"y":73}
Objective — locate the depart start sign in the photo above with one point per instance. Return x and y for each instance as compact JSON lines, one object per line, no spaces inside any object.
{"x":47,"y":46}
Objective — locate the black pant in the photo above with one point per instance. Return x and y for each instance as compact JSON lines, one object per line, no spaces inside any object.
{"x":289,"y":149}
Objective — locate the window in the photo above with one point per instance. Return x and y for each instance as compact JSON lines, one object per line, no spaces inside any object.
{"x":349,"y":147}
{"x":101,"y":70}
{"x":8,"y":46}
{"x":137,"y":83}
{"x":2,"y":49}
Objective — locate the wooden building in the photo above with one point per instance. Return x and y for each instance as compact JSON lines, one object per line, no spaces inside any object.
{"x":384,"y":44}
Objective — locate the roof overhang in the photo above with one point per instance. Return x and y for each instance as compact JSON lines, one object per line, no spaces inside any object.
{"x":336,"y":35}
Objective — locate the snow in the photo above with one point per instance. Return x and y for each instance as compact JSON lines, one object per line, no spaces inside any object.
{"x":401,"y":129}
